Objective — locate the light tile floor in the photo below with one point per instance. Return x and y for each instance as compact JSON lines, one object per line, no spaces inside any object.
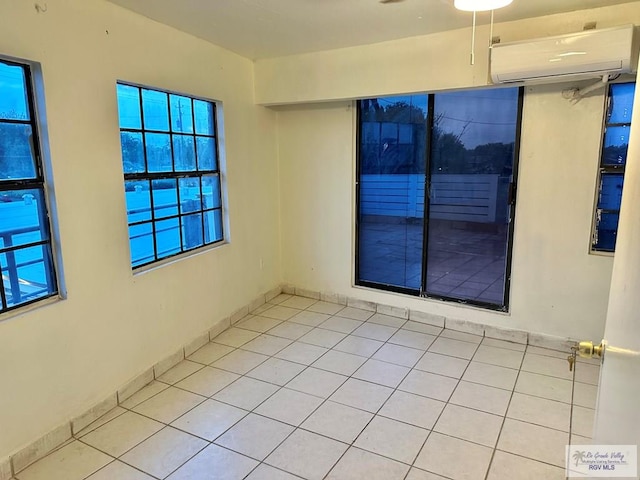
{"x":314,"y":390}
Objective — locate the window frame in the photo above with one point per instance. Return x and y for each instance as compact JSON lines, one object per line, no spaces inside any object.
{"x":43,"y":181}
{"x":177,"y":175}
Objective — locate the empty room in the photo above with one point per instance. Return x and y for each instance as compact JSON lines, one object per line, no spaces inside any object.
{"x":302,"y":239}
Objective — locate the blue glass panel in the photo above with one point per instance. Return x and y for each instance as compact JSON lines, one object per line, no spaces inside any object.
{"x":14,"y":104}
{"x":607,"y":232}
{"x":204,"y":117}
{"x":138,"y":199}
{"x":621,"y":102}
{"x":190,"y":195}
{"x":158,"y":152}
{"x":371,"y":132}
{"x":16,"y":152}
{"x":165,"y":198}
{"x":132,"y":152}
{"x":616,"y":144}
{"x":129,"y":107}
{"x":156,"y":110}
{"x":610,"y":191}
{"x":22,"y":217}
{"x":206,"y":154}
{"x":181,"y":114}
{"x":141,"y":244}
{"x":27,"y":274}
{"x":192,"y":231}
{"x":211,"y":191}
{"x":168,"y":237}
{"x":184,"y":153}
{"x":213,"y":226}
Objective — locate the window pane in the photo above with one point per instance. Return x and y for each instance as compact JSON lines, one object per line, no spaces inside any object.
{"x":213,"y":226}
{"x":165,"y":198}
{"x":132,"y":152}
{"x":192,"y":231}
{"x":204,"y":117}
{"x":129,"y":107}
{"x":16,"y":152}
{"x":391,"y":207}
{"x":158,"y":152}
{"x":184,"y":154}
{"x":621,"y":103}
{"x":141,"y":244}
{"x":206,"y":153}
{"x":138,"y":199}
{"x":156,"y":110}
{"x":168,"y":237}
{"x":607,"y":231}
{"x":181,"y":115}
{"x":22,"y":217}
{"x":27,"y":274}
{"x":471,"y":168}
{"x":610,"y":191}
{"x":616,"y":144}
{"x":211,"y":191}
{"x":14,"y":104}
{"x":190,"y":195}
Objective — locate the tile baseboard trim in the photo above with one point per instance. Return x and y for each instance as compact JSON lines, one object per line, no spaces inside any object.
{"x":58,"y":437}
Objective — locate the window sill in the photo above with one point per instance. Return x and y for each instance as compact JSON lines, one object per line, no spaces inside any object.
{"x":176,"y":258}
{"x":17,"y":312}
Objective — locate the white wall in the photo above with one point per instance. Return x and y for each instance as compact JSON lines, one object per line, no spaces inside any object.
{"x":58,"y":360}
{"x":558,"y":288}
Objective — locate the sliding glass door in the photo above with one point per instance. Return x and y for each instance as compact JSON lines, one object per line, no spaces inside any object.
{"x":436,"y":185}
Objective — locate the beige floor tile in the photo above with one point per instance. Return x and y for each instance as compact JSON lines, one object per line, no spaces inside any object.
{"x":301,"y":353}
{"x":388,"y":320}
{"x":540,"y":411}
{"x":235,"y":337}
{"x":442,"y":365}
{"x":481,"y":397}
{"x":246,"y":393}
{"x":498,"y":356}
{"x":417,"y":474}
{"x":392,"y":439}
{"x":454,"y":458}
{"x":582,"y":421}
{"x":209,"y":353}
{"x":215,"y":462}
{"x":289,"y":406}
{"x":117,"y":470}
{"x":547,"y":352}
{"x":207,"y":381}
{"x":408,"y":338}
{"x":280,"y":298}
{"x":317,"y":382}
{"x":398,"y":354}
{"x":276,"y":370}
{"x":422,"y":328}
{"x":322,"y":338}
{"x":299,"y":302}
{"x":453,"y":348}
{"x":143,"y":394}
{"x":326,"y":308}
{"x":339,"y":362}
{"x":585,"y":395}
{"x":364,"y":347}
{"x":467,"y":424}
{"x":355,"y":313}
{"x":340,"y":324}
{"x":311,"y":319}
{"x":307,"y":455}
{"x":382,"y":373}
{"x":373,"y":331}
{"x":242,"y":437}
{"x":122,"y":433}
{"x":586,"y":373}
{"x":360,"y":394}
{"x":164,"y":452}
{"x":494,"y":342}
{"x":261,"y":308}
{"x":512,"y":467}
{"x":240,"y":361}
{"x":280,"y":312}
{"x":259,"y":324}
{"x":267,"y":344}
{"x":358,"y":464}
{"x":544,"y":386}
{"x":290,"y":330}
{"x":107,"y":417}
{"x":535,"y":442}
{"x":337,"y":421}
{"x":179,"y":372}
{"x":266,"y":472}
{"x":169,"y":405}
{"x":414,"y":409}
{"x":463,"y":336}
{"x":74,"y":461}
{"x":542,"y":365}
{"x":209,"y":420}
{"x":428,"y":385}
{"x":491,"y":375}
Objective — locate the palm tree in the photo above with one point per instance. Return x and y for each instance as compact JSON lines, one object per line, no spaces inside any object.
{"x":579,"y":456}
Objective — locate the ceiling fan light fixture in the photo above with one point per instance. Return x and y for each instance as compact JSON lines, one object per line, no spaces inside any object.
{"x":480,"y":5}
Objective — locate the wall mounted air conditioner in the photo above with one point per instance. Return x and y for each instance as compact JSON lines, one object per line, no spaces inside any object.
{"x":588,"y":54}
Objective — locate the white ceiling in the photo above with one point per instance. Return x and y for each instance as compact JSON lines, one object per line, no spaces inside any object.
{"x":272,"y":28}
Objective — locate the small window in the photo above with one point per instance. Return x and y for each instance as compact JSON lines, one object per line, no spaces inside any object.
{"x":170,"y":158}
{"x":26,"y":255}
{"x":613,"y":159}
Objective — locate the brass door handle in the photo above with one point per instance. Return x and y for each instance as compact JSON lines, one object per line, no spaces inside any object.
{"x":589,"y":350}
